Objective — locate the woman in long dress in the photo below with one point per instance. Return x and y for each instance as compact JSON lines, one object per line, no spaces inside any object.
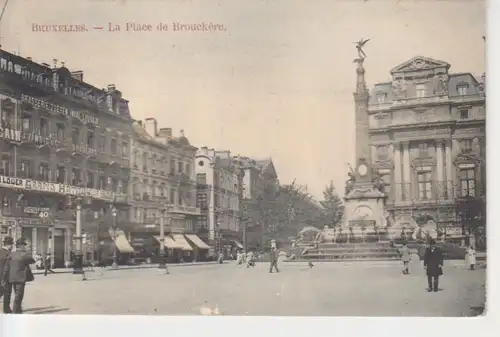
{"x":471,"y":258}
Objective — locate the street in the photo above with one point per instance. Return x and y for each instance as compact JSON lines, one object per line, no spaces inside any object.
{"x":328,"y":289}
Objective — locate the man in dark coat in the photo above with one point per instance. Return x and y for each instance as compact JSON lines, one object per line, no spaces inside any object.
{"x":16,"y":273}
{"x":8,"y":242}
{"x":273,"y":255}
{"x":433,"y":263}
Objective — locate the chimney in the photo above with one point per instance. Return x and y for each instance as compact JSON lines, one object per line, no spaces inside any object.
{"x":165,"y":133}
{"x":77,"y":75}
{"x":29,"y":58}
{"x":111,"y":87}
{"x":151,"y":126}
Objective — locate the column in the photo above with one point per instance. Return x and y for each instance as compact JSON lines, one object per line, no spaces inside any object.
{"x":406,"y":171}
{"x":34,"y":241}
{"x":397,"y":172}
{"x":449,"y":171}
{"x":51,"y":246}
{"x":441,"y":183}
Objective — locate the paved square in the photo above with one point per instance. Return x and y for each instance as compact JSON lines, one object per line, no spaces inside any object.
{"x":328,"y":289}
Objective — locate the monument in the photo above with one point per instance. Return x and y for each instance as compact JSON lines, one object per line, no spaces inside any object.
{"x":365,"y":215}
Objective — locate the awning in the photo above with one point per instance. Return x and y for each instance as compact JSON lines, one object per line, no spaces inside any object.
{"x":121,"y":241}
{"x":238,"y":244}
{"x":181,"y":240}
{"x":169,"y":242}
{"x":197,"y":241}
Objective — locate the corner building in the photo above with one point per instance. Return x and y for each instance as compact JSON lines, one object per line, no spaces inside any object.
{"x":60,"y":138}
{"x":427,"y":137}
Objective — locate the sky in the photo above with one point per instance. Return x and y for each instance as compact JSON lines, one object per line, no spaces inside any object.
{"x":276,"y":82}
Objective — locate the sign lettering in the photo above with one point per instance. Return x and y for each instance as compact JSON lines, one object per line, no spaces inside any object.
{"x":10,"y":134}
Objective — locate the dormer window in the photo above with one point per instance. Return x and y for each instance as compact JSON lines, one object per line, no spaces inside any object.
{"x":381,"y":97}
{"x":462,"y":89}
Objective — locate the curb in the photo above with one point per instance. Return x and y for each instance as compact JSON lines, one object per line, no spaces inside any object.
{"x":155,"y":266}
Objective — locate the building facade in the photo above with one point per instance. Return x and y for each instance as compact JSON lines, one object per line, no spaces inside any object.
{"x":218,"y":178}
{"x":162,"y":176}
{"x":61,"y":139}
{"x":427,"y":138}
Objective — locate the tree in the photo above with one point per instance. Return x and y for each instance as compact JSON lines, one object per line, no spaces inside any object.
{"x":333,"y":205}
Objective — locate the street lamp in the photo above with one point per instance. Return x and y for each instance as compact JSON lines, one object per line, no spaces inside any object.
{"x":115,"y":248}
{"x":162,"y":264}
{"x":78,"y":257}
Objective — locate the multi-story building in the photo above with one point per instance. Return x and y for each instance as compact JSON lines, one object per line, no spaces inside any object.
{"x":60,"y":138}
{"x":427,"y":137}
{"x":259,"y":187}
{"x":218,"y":178}
{"x":162,"y":177}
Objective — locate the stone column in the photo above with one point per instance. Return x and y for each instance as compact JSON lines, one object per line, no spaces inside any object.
{"x":397,"y":172}
{"x":441,"y":183}
{"x":406,"y":171}
{"x":449,"y":170}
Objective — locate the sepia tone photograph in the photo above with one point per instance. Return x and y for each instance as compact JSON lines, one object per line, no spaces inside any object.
{"x":243,"y":158}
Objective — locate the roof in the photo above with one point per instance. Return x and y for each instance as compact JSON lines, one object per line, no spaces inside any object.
{"x":142,"y":134}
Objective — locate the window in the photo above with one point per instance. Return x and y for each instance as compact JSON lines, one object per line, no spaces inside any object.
{"x":180,"y":167}
{"x":466,"y":145}
{"x":76,"y":176}
{"x":464,"y":114}
{"x":187,"y":168}
{"x":145,"y":161}
{"x":462,"y":89}
{"x":179,"y":198}
{"x":420,"y":90}
{"x":102,"y":183}
{"x":6,"y":166}
{"x":25,"y":169}
{"x":424,"y":180}
{"x":60,"y":132}
{"x":113,"y":147}
{"x":90,"y":139}
{"x":26,"y":122}
{"x":43,"y":172}
{"x":381,"y":97}
{"x":44,"y":127}
{"x":201,"y":178}
{"x":114,"y":185}
{"x":124,"y":150}
{"x":172,"y":196}
{"x":423,"y":149}
{"x":75,"y":136}
{"x":61,"y":175}
{"x":468,"y":182}
{"x":382,"y":153}
{"x":201,"y":163}
{"x":90,"y":180}
{"x":172,"y":167}
{"x":102,"y":144}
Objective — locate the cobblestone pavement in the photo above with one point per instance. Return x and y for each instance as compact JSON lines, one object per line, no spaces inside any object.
{"x":328,"y":289}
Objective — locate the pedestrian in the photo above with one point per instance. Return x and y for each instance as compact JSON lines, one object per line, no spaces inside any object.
{"x":273,"y":255}
{"x":16,"y":273}
{"x":471,"y":258}
{"x":433,"y":263}
{"x":406,"y":258}
{"x":8,"y":242}
{"x":47,"y":265}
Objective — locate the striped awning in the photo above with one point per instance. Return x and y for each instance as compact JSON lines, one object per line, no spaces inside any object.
{"x":169,"y":242}
{"x":121,"y":241}
{"x":181,"y":240}
{"x":238,"y":244}
{"x":197,"y":241}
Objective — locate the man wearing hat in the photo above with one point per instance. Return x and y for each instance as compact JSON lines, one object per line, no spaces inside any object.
{"x":433,"y":263}
{"x":16,"y":273}
{"x":8,"y":242}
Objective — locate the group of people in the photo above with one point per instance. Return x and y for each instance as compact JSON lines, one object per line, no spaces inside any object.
{"x":15,"y":272}
{"x":433,"y":263}
{"x":250,"y":258}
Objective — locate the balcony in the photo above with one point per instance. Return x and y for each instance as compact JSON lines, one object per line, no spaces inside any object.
{"x":184,"y":209}
{"x":84,"y":149}
{"x":182,"y":179}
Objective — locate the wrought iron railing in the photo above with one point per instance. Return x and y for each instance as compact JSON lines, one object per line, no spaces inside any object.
{"x":436,"y":191}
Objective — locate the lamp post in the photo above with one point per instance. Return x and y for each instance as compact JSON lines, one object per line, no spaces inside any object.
{"x":115,"y":248}
{"x":162,"y":264}
{"x":78,"y":256}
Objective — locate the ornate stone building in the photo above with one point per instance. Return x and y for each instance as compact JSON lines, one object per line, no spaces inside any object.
{"x":162,"y":174}
{"x":427,"y":137}
{"x":60,"y":138}
{"x":218,"y":181}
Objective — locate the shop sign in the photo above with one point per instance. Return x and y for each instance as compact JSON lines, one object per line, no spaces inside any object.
{"x":80,"y":115}
{"x":11,"y":182}
{"x":10,"y":134}
{"x":36,"y":210}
